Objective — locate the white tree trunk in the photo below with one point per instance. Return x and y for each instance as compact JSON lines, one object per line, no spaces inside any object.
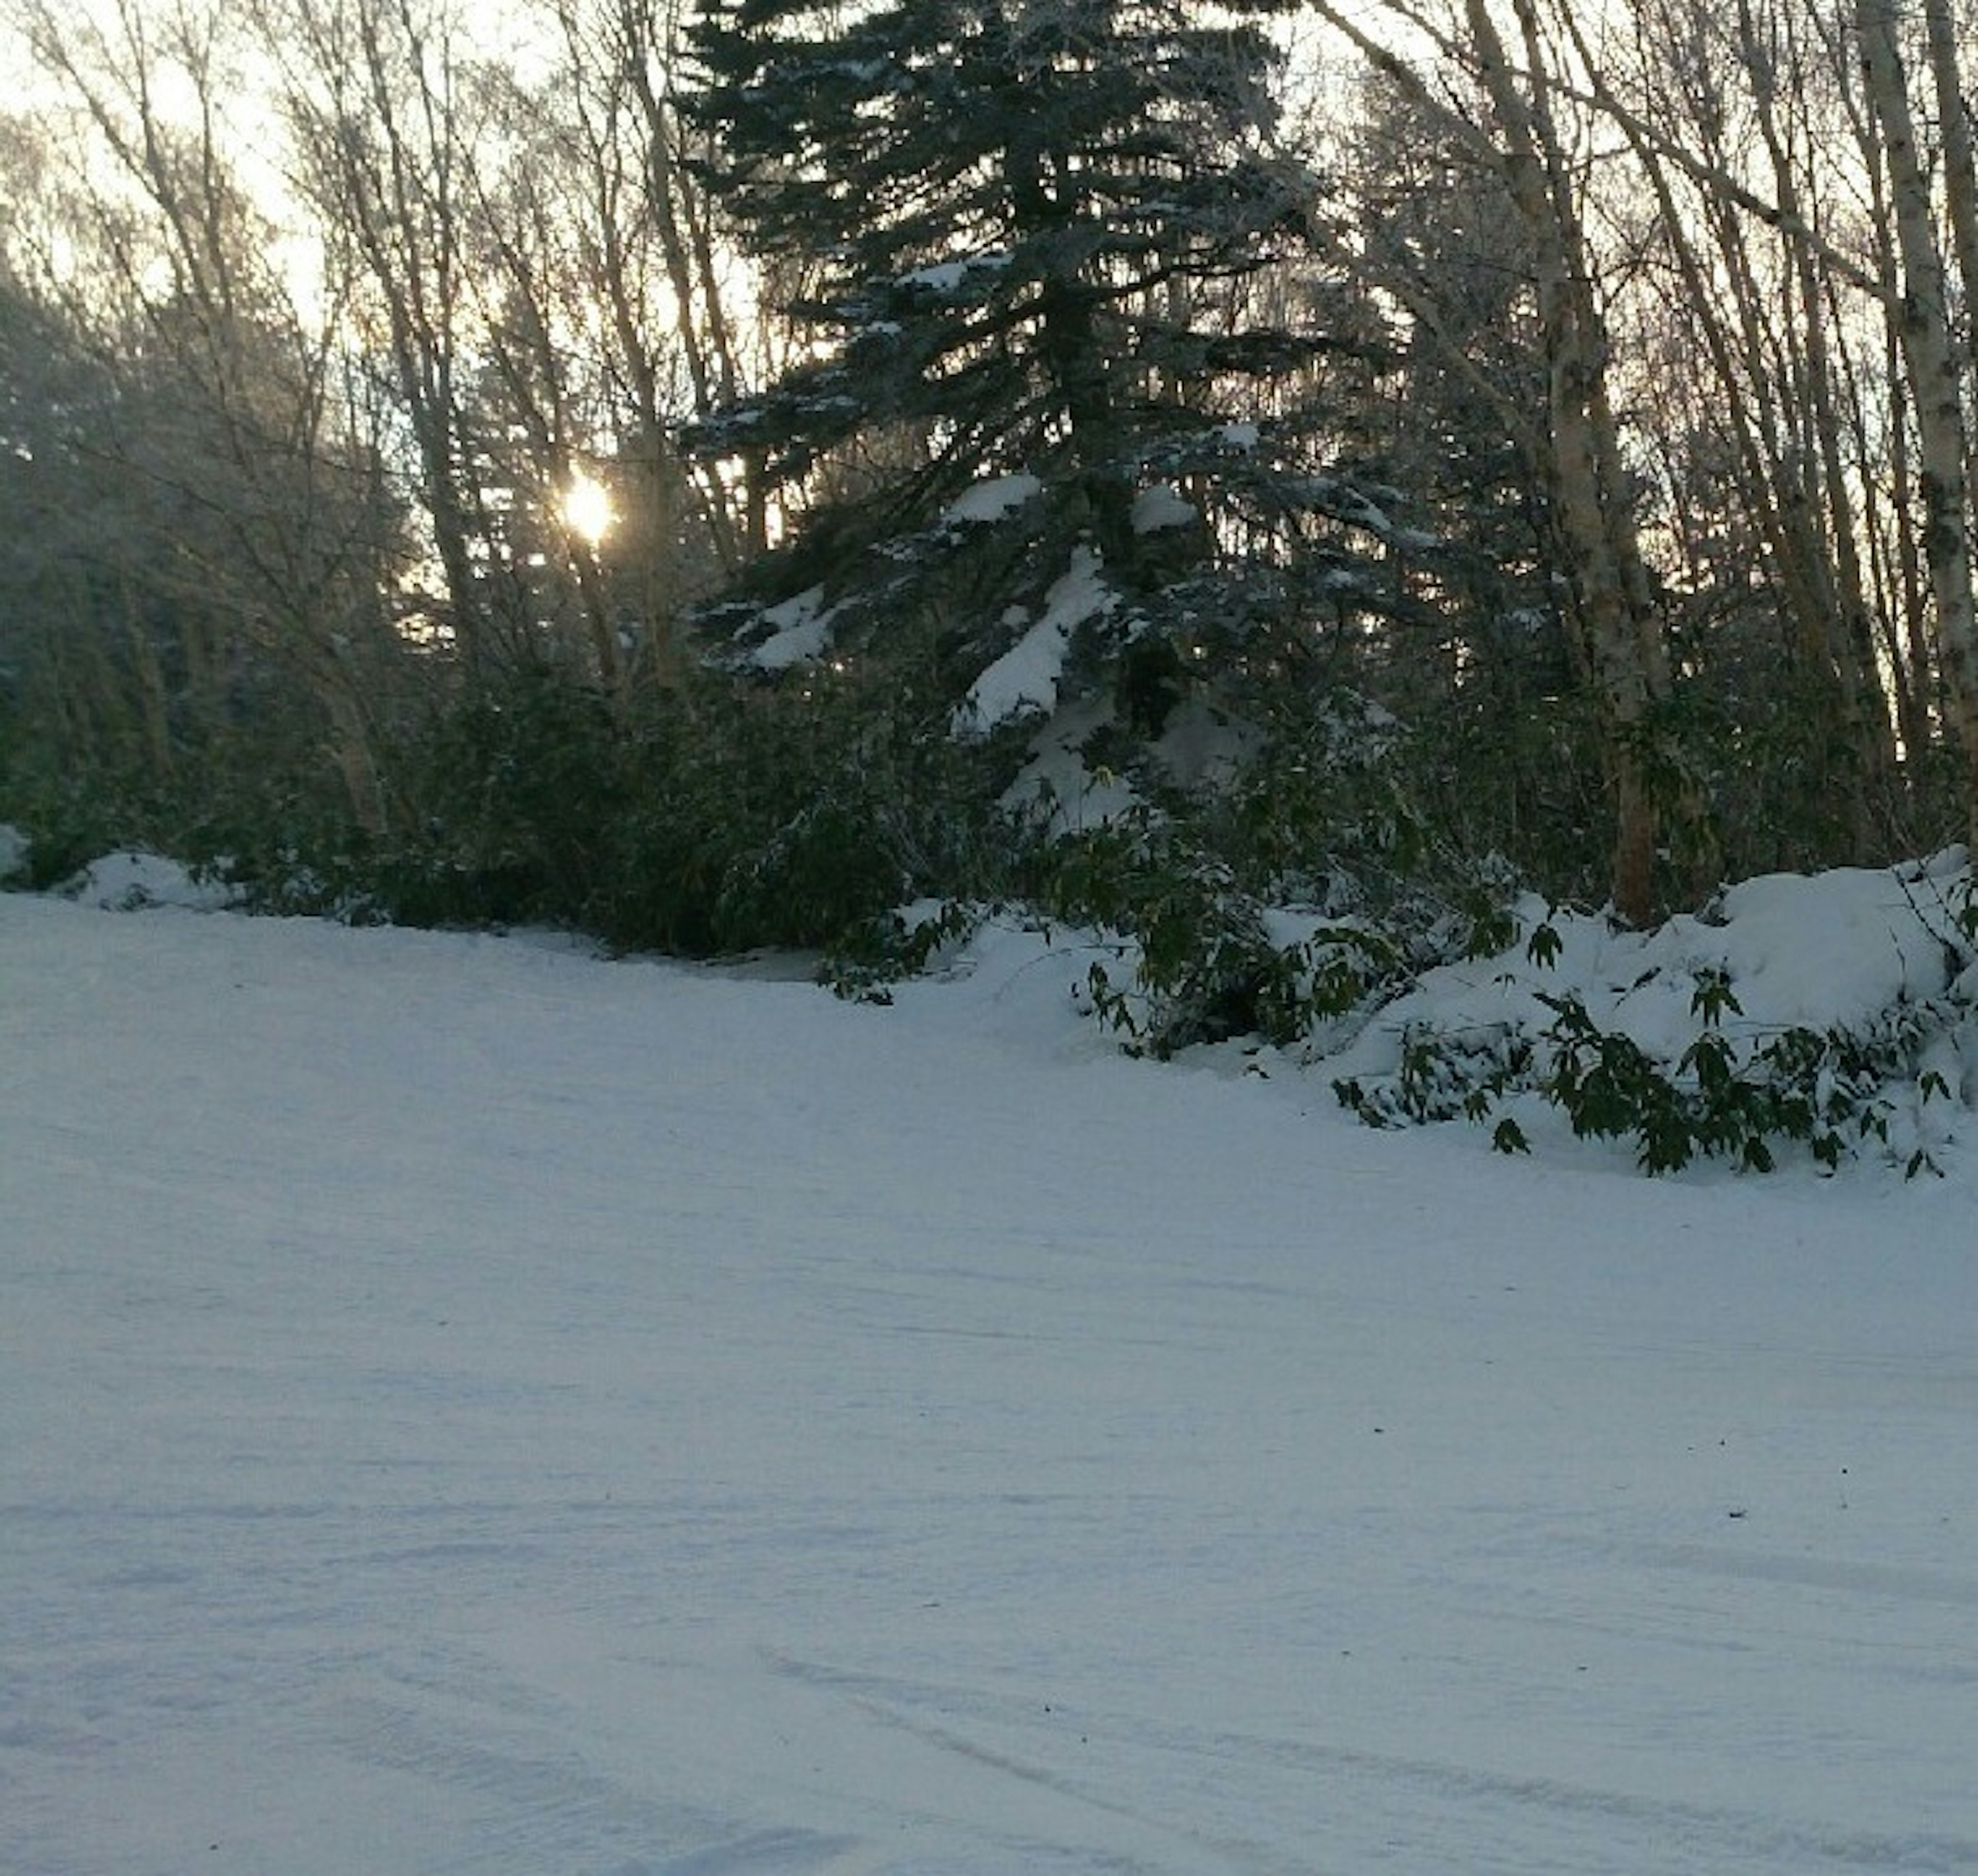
{"x":1934,"y":370}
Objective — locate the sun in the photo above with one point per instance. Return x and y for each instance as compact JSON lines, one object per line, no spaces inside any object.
{"x":586,"y":508}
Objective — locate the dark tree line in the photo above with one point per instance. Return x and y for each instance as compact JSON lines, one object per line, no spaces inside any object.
{"x":1077,"y":450}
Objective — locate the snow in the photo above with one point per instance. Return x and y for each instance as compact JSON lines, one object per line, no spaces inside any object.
{"x":1199,"y":748}
{"x":1355,"y":507}
{"x":991,"y":499}
{"x":1024,"y":680}
{"x":130,"y":881}
{"x":947,"y":276}
{"x":1159,"y":507}
{"x":1811,"y":952}
{"x":1073,"y":796}
{"x":470,"y":1407}
{"x":801,"y":631}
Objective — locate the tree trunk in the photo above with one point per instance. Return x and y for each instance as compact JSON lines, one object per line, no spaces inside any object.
{"x":1594,"y":517}
{"x":1932,"y":367}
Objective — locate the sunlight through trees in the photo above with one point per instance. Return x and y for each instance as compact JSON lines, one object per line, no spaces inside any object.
{"x":758,"y":454}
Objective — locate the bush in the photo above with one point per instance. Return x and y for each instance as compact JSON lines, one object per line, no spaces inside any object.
{"x":1305,"y":892}
{"x":1206,"y":965}
{"x":1836,"y":1092}
{"x":716,"y":818}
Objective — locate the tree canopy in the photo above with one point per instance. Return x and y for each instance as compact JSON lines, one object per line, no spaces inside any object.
{"x":1069,"y":294}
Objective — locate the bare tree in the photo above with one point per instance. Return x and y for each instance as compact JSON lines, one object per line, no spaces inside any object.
{"x":611,"y":335}
{"x":1759,"y":307}
{"x":229,"y":435}
{"x":1589,"y":482}
{"x":376,"y":96}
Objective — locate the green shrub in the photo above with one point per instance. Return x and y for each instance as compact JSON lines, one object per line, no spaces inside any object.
{"x":1306,"y":890}
{"x":718,"y":817}
{"x":1836,"y":1092}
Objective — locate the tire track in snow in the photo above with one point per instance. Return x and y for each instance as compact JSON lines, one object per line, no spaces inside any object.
{"x":546,"y":1808}
{"x":1891,"y":1582}
{"x":1679,"y":1835}
{"x":788,"y":1789}
{"x":889,"y":1713}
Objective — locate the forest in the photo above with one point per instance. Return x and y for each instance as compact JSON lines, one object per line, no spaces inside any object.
{"x":712,"y":478}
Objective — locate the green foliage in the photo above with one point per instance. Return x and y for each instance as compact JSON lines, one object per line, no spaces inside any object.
{"x":1961,"y":905}
{"x":244,"y":789}
{"x":1325,"y":812}
{"x":67,"y":825}
{"x":511,"y":789}
{"x":1509,"y":1137}
{"x":869,"y":958}
{"x":1304,"y":892}
{"x":1609,"y":1087}
{"x":1206,"y":967}
{"x":716,"y":819}
{"x":1834,"y":1092}
{"x":1444,"y":1074}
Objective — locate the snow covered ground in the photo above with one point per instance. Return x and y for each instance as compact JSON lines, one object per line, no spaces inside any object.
{"x":465,"y":1407}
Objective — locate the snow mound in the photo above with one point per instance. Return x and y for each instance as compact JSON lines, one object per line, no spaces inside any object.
{"x":129,"y":883}
{"x":1853,"y":987}
{"x":1833,"y":950}
{"x":13,"y":853}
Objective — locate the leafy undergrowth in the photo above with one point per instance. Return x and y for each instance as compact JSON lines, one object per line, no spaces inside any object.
{"x":1830,"y":1015}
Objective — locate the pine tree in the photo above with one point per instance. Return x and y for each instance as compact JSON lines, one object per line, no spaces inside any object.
{"x":1064,"y":290}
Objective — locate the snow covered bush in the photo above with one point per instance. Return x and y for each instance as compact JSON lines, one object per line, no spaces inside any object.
{"x":1286,"y":900}
{"x":1204,"y":965}
{"x":1837,"y":1014}
{"x":15,"y":853}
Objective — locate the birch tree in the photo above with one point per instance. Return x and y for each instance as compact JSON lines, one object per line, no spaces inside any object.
{"x":1591,"y":499}
{"x":1936,"y":374}
{"x":1756,"y":304}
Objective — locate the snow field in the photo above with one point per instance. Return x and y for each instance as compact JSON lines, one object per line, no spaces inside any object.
{"x":467,"y":1407}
